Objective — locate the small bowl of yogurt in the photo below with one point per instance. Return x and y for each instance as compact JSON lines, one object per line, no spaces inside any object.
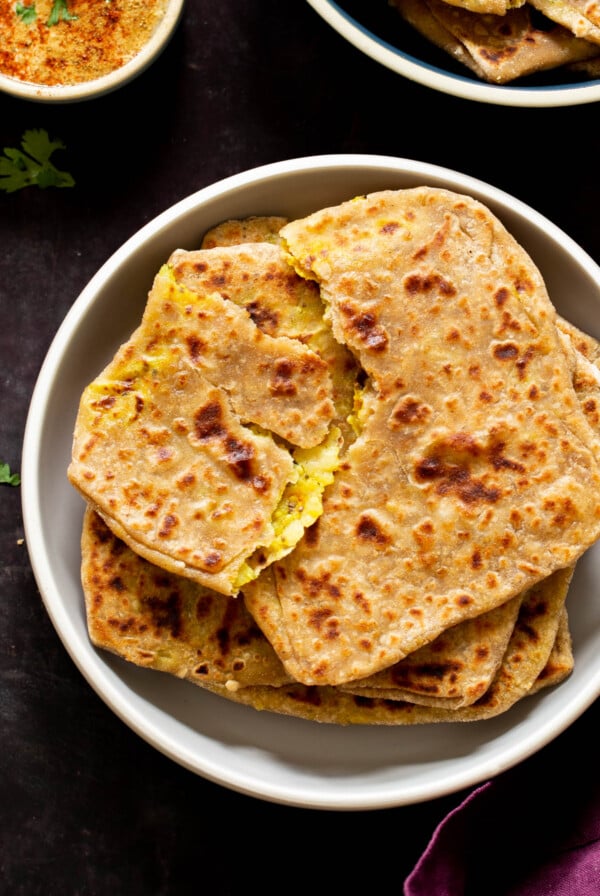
{"x":70,"y":50}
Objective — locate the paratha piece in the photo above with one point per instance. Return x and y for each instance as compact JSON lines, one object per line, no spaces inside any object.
{"x":460,"y":664}
{"x":279,"y":302}
{"x":580,"y":17}
{"x":498,"y":48}
{"x":475,"y":474}
{"x":163,"y":621}
{"x":255,"y":229}
{"x":589,"y":68}
{"x":561,"y":661}
{"x":159,"y":620}
{"x":185,"y":443}
{"x":484,"y":7}
{"x":529,"y":665}
{"x":455,"y":670}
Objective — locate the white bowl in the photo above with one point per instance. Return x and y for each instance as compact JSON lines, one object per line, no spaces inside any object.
{"x":423,"y":66}
{"x":87,"y":90}
{"x":272,"y":757}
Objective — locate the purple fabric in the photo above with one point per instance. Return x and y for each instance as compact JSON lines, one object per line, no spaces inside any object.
{"x":532,"y":831}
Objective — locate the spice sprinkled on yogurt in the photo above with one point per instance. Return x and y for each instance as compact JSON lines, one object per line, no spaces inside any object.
{"x":63,"y":42}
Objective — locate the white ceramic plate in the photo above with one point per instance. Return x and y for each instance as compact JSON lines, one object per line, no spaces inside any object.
{"x":380,"y":33}
{"x":279,"y":759}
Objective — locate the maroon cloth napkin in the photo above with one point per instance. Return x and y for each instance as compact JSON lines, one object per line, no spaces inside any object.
{"x":531,"y":831}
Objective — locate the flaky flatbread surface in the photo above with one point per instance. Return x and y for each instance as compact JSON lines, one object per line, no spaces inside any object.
{"x":532,"y":661}
{"x":501,"y":47}
{"x":170,"y":624}
{"x":471,"y":480}
{"x":179,"y":442}
{"x":454,"y":670}
{"x":158,"y":620}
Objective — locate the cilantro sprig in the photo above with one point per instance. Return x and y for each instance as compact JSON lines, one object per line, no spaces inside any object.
{"x":27,"y":14}
{"x":31,"y":165}
{"x":8,"y":478}
{"x":58,"y":13}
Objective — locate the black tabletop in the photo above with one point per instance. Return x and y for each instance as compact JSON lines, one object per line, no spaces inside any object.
{"x":87,"y":806}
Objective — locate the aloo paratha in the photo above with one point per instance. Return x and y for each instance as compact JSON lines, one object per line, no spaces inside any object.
{"x":470,"y":480}
{"x":500,"y":47}
{"x":190,"y":440}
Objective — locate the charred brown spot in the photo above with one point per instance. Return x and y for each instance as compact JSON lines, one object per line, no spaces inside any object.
{"x":332,"y":629}
{"x":450,"y":465}
{"x":264,"y":318}
{"x":166,"y":613}
{"x":283,"y":382}
{"x":417,"y":283}
{"x":311,"y":535}
{"x":186,"y":480}
{"x":463,"y":600}
{"x":116,"y":584}
{"x":361,"y":601}
{"x":195,"y":347}
{"x":168,"y":524}
{"x":123,"y":625}
{"x":239,"y":457}
{"x":369,"y":530}
{"x":390,"y":227}
{"x":223,"y":640}
{"x":476,"y":561}
{"x":524,"y":361}
{"x":307,"y":694}
{"x":365,"y":325}
{"x":501,"y":296}
{"x":212,"y":559}
{"x":500,"y":462}
{"x":208,"y":422}
{"x":318,"y":617}
{"x":317,"y":585}
{"x":507,"y":351}
{"x":410,"y":410}
{"x":403,"y":676}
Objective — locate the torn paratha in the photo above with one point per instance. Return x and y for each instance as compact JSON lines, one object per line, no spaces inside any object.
{"x":205,"y":443}
{"x":278,"y":301}
{"x":470,"y":479}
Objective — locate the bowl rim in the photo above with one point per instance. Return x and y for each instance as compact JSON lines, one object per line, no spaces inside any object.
{"x":118,"y":695}
{"x":118,"y":77}
{"x":438,"y":79}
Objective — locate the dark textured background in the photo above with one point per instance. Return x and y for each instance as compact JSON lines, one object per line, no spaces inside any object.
{"x":86,"y":806}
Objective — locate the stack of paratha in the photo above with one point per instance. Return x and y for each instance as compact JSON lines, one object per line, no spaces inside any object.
{"x":503,"y":40}
{"x":344,"y":468}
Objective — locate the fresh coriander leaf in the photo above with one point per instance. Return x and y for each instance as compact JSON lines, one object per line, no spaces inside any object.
{"x":60,"y":12}
{"x":31,"y":165}
{"x":8,"y":478}
{"x":27,"y":14}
